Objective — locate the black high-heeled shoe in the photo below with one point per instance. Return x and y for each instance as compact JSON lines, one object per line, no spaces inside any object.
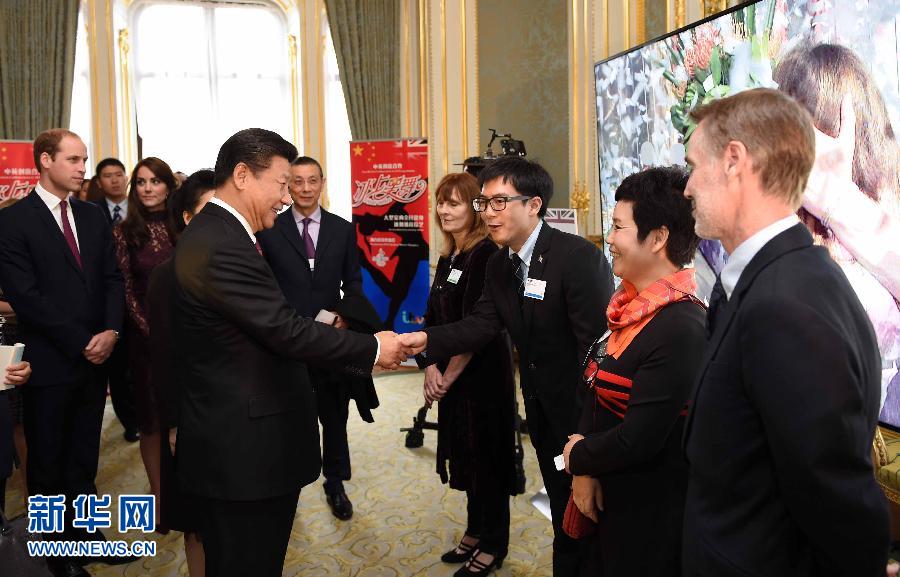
{"x":460,"y":553}
{"x":475,"y":568}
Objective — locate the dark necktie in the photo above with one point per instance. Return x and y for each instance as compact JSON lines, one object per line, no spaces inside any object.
{"x":259,"y":249}
{"x":717,"y":301}
{"x":67,"y":231}
{"x":519,"y":272}
{"x":117,"y":214}
{"x":307,"y":239}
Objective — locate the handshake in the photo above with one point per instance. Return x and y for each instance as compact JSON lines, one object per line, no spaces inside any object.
{"x":397,"y":348}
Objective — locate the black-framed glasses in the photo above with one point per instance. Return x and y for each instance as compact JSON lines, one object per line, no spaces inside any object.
{"x":497,"y":203}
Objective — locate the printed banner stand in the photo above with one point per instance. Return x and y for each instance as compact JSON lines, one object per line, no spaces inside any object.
{"x":17,"y":172}
{"x":390,"y":213}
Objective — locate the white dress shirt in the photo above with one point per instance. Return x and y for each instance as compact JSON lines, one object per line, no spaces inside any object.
{"x":744,"y":253}
{"x":315,"y":222}
{"x":123,"y":208}
{"x":52,"y":201}
{"x":528,"y":248}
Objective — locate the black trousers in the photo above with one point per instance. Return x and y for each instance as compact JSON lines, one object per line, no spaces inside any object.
{"x":246,"y":538}
{"x":548,"y":440}
{"x":333,"y":400}
{"x":62,"y":429}
{"x":488,"y":519}
{"x":116,"y":368}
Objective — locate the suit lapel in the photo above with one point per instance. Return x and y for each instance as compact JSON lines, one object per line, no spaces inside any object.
{"x":288,"y":227}
{"x":326,"y":235}
{"x":509,"y":292}
{"x":795,"y":238}
{"x":536,"y":270}
{"x":45,"y":216}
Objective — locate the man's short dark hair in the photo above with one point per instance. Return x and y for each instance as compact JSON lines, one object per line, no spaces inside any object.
{"x":308,"y":161}
{"x":528,"y":178}
{"x":657,"y":197}
{"x":109,"y":162}
{"x":255,"y":147}
{"x":48,"y":141}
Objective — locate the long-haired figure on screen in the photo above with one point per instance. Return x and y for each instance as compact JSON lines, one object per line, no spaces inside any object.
{"x":848,"y":111}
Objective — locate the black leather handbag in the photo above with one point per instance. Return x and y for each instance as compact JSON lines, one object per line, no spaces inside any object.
{"x":14,"y":557}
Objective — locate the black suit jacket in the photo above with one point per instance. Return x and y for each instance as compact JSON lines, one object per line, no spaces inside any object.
{"x":337,"y":267}
{"x":551,"y":335}
{"x":104,"y":208}
{"x":59,"y":305}
{"x":247,"y":423}
{"x":337,"y":262}
{"x":779,"y":436}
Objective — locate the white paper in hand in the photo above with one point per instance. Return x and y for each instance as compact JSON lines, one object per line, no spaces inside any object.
{"x":326,"y":317}
{"x":9,"y":355}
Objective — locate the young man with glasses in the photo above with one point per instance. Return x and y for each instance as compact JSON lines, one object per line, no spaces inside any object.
{"x":550,"y":290}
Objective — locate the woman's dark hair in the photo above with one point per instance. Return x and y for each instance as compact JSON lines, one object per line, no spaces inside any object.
{"x":134,"y":228}
{"x":255,"y":147}
{"x":528,"y":178}
{"x":188,"y":196}
{"x":818,"y":77}
{"x":657,"y":198}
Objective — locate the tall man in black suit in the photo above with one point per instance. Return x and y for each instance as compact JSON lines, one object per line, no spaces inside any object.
{"x":112,"y":180}
{"x":247,"y":434}
{"x":779,"y":435}
{"x":58,"y":271}
{"x":550,"y":291}
{"x":314,"y":257}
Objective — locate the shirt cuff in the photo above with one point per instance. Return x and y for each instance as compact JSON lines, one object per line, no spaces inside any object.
{"x":377,"y":351}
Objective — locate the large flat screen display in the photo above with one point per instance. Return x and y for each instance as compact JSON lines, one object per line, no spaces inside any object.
{"x":837,"y":58}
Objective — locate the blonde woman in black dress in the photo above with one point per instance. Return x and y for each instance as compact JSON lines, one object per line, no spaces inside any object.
{"x":476,"y":442}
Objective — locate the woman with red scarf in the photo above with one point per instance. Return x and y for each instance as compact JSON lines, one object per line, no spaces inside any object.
{"x":629,"y":474}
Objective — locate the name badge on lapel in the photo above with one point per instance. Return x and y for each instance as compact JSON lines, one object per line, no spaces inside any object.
{"x":454,"y":275}
{"x":534,"y":288}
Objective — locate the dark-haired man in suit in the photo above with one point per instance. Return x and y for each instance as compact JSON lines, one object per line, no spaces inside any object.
{"x":550,"y":290}
{"x":113,"y":180}
{"x":247,"y":433}
{"x":58,"y":270}
{"x":314,"y":257}
{"x":779,"y":434}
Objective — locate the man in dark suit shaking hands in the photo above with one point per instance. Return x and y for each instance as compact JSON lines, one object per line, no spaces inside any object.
{"x":549,"y":289}
{"x":58,"y":271}
{"x":779,"y":434}
{"x":314,"y":257}
{"x":247,"y":433}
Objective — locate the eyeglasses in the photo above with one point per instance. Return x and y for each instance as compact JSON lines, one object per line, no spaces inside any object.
{"x":497,"y":203}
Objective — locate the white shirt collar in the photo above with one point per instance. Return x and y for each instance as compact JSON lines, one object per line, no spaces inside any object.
{"x":219,"y":202}
{"x":50,"y":199}
{"x":528,"y":248}
{"x":744,"y":253}
{"x":316,"y":216}
{"x":112,"y":205}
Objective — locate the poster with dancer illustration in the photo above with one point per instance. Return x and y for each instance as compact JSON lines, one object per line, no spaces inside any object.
{"x":17,"y":172}
{"x":390,"y":213}
{"x":839,"y":59}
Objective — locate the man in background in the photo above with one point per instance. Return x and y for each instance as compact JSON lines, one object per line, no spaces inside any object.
{"x":113,"y":181}
{"x":314,"y":257}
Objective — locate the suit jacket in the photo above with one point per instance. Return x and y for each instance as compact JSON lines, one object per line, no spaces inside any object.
{"x":779,"y":436}
{"x":59,"y":305}
{"x":552,"y":335}
{"x":104,"y":208}
{"x":337,"y":267}
{"x":337,"y":262}
{"x":247,"y":423}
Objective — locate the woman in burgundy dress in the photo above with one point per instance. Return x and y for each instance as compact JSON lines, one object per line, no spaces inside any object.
{"x":476,"y":414}
{"x":144,"y":240}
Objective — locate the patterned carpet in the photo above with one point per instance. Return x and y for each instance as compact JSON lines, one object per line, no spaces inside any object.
{"x":404,"y":517}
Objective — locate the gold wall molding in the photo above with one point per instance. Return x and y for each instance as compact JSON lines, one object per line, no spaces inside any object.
{"x":711,"y":7}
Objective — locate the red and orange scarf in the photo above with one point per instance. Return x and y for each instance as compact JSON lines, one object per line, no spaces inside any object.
{"x":629,"y":312}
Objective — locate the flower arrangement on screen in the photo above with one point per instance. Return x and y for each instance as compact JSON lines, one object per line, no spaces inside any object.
{"x":715,"y":60}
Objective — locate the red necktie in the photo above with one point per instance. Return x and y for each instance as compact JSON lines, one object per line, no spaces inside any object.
{"x":67,"y":232}
{"x":259,"y":248}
